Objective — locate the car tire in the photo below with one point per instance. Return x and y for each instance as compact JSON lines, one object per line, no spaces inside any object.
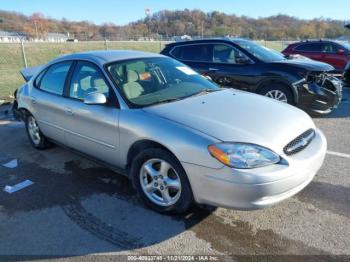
{"x":152,"y":183}
{"x":278,"y":92}
{"x":36,"y":137}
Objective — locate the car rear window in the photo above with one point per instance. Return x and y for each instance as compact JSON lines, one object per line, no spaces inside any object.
{"x":193,"y":52}
{"x":310,"y":47}
{"x":54,"y":78}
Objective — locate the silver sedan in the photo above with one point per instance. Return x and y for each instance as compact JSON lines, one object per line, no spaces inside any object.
{"x":180,"y":138}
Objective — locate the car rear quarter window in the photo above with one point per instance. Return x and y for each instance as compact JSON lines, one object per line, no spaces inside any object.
{"x":310,"y":47}
{"x":54,"y":78}
{"x":193,"y":52}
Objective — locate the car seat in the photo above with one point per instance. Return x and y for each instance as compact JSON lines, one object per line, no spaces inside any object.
{"x":132,"y":88}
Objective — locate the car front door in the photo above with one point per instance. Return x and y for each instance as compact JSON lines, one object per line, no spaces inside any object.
{"x":48,"y":102}
{"x":333,"y":55}
{"x":223,"y":63}
{"x":92,"y":129}
{"x":230,"y":67}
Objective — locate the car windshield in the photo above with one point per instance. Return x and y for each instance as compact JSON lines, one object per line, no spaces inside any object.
{"x":346,"y":45}
{"x":260,"y":52}
{"x":150,"y":81}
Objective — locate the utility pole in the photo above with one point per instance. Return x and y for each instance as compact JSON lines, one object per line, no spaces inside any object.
{"x":24,"y":53}
{"x":148,"y":14}
{"x":202,"y":29}
{"x":36,"y":30}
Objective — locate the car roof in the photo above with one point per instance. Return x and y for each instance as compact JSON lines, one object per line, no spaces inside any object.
{"x":106,"y":56}
{"x":206,"y":40}
{"x":314,"y":42}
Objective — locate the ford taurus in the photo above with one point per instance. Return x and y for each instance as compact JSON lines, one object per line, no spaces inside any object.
{"x":179,"y":137}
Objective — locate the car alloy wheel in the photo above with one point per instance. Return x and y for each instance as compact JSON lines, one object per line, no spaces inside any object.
{"x":34,"y":131}
{"x":160,"y":182}
{"x":277,"y":95}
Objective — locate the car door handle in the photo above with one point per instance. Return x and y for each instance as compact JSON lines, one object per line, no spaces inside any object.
{"x":68,"y":111}
{"x":213,"y":69}
{"x":33,"y":100}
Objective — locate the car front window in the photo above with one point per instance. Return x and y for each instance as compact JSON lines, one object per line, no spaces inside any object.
{"x":260,"y":52}
{"x":149,"y":81}
{"x":346,"y":45}
{"x":87,"y":79}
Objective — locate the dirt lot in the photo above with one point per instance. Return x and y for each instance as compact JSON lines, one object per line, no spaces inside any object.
{"x":76,"y":207}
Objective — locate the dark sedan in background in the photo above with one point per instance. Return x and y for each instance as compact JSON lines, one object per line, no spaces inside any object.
{"x":245,"y":65}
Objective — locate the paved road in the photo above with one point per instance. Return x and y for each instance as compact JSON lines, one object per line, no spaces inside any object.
{"x":76,"y":207}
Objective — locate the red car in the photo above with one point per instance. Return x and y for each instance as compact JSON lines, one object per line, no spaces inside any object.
{"x":334,"y":53}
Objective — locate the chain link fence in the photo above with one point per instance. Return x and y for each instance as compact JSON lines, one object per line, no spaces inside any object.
{"x":15,"y":56}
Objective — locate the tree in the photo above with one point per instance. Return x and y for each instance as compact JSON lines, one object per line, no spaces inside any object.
{"x":179,"y":22}
{"x":39,"y":26}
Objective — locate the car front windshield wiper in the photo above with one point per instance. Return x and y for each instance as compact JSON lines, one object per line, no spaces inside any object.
{"x":205,"y":91}
{"x":174,"y":99}
{"x":169,"y":100}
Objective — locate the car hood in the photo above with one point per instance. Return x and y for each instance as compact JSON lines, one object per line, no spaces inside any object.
{"x":238,"y":116}
{"x":307,"y":64}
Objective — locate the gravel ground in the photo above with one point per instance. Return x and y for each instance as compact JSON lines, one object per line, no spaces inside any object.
{"x":77,"y":208}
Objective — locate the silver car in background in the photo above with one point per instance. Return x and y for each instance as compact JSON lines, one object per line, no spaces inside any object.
{"x":179,"y":137}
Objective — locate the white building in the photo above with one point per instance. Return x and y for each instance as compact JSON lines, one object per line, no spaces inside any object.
{"x":16,"y":37}
{"x":56,"y":37}
{"x":9,"y":37}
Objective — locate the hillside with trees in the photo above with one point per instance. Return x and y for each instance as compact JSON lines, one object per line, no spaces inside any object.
{"x":165,"y":24}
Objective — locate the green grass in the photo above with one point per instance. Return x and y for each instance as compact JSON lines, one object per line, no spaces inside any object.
{"x":11,"y":59}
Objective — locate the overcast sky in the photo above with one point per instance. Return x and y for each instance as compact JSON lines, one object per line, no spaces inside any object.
{"x":121,"y":12}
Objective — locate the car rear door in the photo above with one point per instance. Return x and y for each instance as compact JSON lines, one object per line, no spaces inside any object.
{"x":198,"y":56}
{"x":91,"y":129}
{"x":311,"y":50}
{"x":48,"y":101}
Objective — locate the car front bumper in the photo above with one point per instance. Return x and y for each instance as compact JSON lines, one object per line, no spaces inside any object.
{"x":258,"y":188}
{"x":320,"y":99}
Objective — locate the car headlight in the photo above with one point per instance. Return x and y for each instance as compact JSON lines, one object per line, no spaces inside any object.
{"x":243,"y":155}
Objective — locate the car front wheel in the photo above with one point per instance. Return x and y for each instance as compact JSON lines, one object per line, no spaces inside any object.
{"x":36,"y":138}
{"x":278,"y":92}
{"x":161,"y":181}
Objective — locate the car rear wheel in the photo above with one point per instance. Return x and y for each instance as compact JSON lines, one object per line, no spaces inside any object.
{"x":161,"y":181}
{"x":278,"y":92}
{"x":36,"y":137}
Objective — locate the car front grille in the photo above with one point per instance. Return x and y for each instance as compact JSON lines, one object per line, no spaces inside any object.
{"x":299,"y":143}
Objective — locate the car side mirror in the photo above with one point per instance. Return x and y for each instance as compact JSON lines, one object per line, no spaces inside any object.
{"x":340,"y":51}
{"x":95,"y":99}
{"x":207,"y":77}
